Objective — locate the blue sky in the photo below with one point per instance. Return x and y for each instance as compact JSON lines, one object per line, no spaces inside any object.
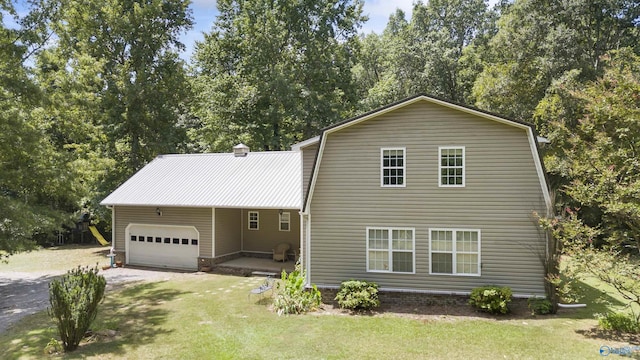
{"x":378,"y":11}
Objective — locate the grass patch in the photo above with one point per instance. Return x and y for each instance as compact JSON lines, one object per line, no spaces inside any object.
{"x":57,"y":258}
{"x":212,"y":316}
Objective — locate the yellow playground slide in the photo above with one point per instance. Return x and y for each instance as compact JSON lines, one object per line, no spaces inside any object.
{"x":98,"y":236}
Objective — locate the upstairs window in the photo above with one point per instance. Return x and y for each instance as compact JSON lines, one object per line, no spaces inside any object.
{"x":285,"y":221}
{"x":451,"y":166}
{"x":392,"y":167}
{"x":254,"y":220}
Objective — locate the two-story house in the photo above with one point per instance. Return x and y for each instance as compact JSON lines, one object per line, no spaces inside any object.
{"x":428,"y":196}
{"x":419,"y":196}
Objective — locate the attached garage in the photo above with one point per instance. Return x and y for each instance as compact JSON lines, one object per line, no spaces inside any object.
{"x":168,"y":246}
{"x":189,"y":211}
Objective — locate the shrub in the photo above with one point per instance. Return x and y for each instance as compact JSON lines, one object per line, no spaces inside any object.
{"x":291,"y":295}
{"x":492,"y":299}
{"x":358,"y":295}
{"x":540,"y":306}
{"x":619,"y":322}
{"x":74,"y":300}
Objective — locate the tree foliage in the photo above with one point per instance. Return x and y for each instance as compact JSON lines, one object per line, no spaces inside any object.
{"x":274,"y":72}
{"x":123,"y":54}
{"x":539,"y":41}
{"x":430,"y":54}
{"x":35,"y":191}
{"x":598,"y":157}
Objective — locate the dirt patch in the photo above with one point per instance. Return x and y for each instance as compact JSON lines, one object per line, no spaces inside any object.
{"x":453,"y":311}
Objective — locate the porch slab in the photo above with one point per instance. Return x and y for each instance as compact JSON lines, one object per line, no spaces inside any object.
{"x":249,"y":265}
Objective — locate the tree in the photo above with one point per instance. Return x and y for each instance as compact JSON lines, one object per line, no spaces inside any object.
{"x":274,"y":72}
{"x":593,"y":158}
{"x":599,"y":156}
{"x":35,"y":181}
{"x":123,"y":54}
{"x":426,"y":55}
{"x":538,"y":42}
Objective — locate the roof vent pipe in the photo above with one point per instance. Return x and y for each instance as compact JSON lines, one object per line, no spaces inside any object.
{"x":240,"y":150}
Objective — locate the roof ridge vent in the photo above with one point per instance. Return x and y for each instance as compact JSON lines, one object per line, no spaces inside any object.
{"x":240,"y":150}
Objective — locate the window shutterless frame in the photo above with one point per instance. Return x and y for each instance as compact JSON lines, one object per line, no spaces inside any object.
{"x":393,"y":167}
{"x":253,"y":220}
{"x":451,"y":166}
{"x":455,"y":252}
{"x":285,"y":221}
{"x":391,"y":250}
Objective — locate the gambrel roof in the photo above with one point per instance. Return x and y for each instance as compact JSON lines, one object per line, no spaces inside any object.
{"x":530,"y":130}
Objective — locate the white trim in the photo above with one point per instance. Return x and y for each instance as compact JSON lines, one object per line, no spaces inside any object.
{"x":539,"y":170}
{"x":454,"y":252}
{"x":316,"y":168}
{"x":390,"y":249}
{"x":213,"y":234}
{"x":257,"y":220}
{"x":113,"y":230}
{"x":280,"y":222}
{"x":404,"y":167}
{"x":464,"y":166}
{"x":307,"y":258}
{"x":305,"y":143}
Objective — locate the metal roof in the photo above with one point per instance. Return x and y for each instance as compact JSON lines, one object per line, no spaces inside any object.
{"x":271,"y":180}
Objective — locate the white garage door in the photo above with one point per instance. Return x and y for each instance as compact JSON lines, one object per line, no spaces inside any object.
{"x":174,"y":247}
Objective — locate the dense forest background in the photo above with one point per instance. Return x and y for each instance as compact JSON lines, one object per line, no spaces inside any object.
{"x":92,"y":90}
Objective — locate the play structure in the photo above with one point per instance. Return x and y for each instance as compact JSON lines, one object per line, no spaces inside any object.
{"x":98,"y":236}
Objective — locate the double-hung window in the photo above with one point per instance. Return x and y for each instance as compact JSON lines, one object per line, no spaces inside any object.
{"x":392,"y":167}
{"x":451,"y":166}
{"x":455,"y":252}
{"x":285,"y":221}
{"x":253,"y":220}
{"x":391,"y":249}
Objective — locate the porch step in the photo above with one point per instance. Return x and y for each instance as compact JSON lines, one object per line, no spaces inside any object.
{"x":263,"y":273}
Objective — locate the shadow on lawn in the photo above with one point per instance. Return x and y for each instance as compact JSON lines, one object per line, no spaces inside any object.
{"x":137,"y":316}
{"x":599,"y":302}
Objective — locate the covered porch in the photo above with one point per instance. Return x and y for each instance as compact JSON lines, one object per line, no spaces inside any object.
{"x":252,"y":266}
{"x":244,"y":238}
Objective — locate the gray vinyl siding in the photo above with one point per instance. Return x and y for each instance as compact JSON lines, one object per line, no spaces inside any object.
{"x":308,"y":159}
{"x":198,"y":217}
{"x":228,"y":231}
{"x":269,"y":235}
{"x":502,"y":191}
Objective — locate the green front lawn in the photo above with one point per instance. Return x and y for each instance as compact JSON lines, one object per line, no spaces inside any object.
{"x":211,"y":316}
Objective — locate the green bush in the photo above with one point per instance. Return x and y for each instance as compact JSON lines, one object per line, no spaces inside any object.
{"x":619,"y":322}
{"x":540,"y":306}
{"x":74,"y":300}
{"x":358,"y":295}
{"x":492,"y":299}
{"x":291,"y":295}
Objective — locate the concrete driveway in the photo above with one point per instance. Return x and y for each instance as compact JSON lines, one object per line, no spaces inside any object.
{"x":25,"y":293}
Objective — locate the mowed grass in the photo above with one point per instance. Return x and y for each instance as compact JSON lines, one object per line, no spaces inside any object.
{"x":213,"y":317}
{"x":57,"y":258}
